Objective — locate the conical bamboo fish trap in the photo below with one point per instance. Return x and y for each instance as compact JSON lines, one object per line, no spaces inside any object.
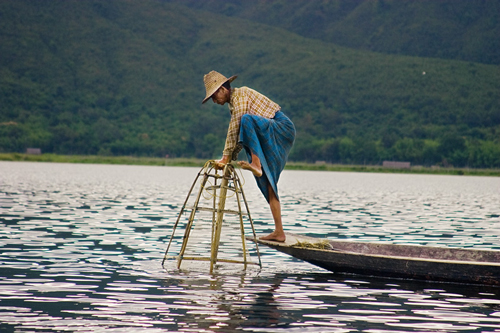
{"x":220,"y":187}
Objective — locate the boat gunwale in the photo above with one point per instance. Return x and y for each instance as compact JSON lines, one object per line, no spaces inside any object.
{"x":464,"y":262}
{"x":385,"y":256}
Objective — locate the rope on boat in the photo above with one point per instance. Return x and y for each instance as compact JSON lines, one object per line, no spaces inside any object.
{"x":319,"y":245}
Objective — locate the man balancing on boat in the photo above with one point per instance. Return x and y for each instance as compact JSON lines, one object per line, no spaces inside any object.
{"x":267,"y":134}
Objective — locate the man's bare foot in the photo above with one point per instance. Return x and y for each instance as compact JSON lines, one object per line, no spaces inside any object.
{"x":274,"y":236}
{"x":256,"y":170}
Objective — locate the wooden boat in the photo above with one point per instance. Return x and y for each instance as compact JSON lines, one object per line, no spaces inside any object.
{"x":393,"y":260}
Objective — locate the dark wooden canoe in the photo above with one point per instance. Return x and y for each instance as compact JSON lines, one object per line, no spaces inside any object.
{"x":396,"y":261}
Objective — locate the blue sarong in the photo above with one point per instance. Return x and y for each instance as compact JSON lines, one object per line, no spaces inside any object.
{"x":271,"y":140}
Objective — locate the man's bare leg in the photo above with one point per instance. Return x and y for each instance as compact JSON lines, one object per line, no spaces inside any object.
{"x":278,"y":234}
{"x":255,"y":167}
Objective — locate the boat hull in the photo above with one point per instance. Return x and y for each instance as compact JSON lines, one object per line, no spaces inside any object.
{"x":396,"y":261}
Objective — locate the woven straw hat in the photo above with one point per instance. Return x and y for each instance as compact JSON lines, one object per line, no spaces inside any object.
{"x":213,"y":81}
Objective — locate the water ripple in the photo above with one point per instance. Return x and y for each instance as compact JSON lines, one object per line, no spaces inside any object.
{"x":82,"y":247}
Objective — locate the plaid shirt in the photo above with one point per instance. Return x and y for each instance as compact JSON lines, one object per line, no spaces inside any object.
{"x":245,"y":100}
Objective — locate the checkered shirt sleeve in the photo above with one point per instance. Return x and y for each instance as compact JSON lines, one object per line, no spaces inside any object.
{"x":245,"y":100}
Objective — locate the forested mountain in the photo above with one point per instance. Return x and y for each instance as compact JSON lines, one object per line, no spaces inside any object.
{"x":449,"y":29}
{"x":122,"y":77}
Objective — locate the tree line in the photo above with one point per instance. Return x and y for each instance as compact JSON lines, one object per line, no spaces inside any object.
{"x":125,"y":78}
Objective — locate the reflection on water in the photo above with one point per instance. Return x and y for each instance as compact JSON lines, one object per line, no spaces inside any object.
{"x":82,"y":248}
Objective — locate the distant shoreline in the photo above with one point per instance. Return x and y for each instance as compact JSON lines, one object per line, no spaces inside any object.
{"x":194,"y":162}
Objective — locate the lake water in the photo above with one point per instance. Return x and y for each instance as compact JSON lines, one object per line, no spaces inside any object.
{"x":82,"y":245}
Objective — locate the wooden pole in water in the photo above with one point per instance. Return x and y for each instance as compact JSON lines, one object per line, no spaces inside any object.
{"x":237,"y":187}
{"x":191,"y":219}
{"x":249,"y":217}
{"x":228,"y":170}
{"x":179,"y":217}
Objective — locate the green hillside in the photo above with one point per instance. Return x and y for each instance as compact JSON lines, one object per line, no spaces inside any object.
{"x":450,"y":29}
{"x":125,"y":78}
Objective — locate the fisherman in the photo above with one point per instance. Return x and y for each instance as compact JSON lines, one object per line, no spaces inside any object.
{"x":267,"y":134}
